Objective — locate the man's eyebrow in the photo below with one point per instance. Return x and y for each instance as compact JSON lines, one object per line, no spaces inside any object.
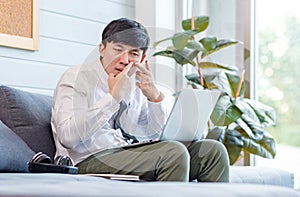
{"x":119,"y":45}
{"x":135,"y":50}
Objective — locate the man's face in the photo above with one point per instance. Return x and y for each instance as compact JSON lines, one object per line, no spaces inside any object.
{"x":116,"y":56}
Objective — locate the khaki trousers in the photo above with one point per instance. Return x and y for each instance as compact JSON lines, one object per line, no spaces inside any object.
{"x":204,"y":160}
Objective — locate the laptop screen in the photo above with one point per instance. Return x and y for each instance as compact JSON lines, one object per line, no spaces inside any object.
{"x":190,"y":115}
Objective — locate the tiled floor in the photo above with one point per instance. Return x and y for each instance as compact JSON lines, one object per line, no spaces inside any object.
{"x":287,"y":158}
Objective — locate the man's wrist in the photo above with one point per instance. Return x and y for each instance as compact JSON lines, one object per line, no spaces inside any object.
{"x":158,"y":98}
{"x":115,"y":97}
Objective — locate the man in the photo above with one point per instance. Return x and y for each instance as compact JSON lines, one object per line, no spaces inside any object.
{"x":111,"y":101}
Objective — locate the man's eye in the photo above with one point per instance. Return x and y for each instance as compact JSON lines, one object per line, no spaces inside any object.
{"x":135,"y":54}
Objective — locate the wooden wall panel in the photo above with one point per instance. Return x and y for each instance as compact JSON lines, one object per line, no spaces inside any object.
{"x":30,"y":74}
{"x":94,"y":10}
{"x":69,"y":31}
{"x":52,"y":51}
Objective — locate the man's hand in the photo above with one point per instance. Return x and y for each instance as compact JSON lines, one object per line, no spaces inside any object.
{"x":144,"y":76}
{"x":121,"y":85}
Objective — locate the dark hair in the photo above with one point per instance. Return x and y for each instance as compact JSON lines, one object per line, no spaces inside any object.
{"x":126,"y":31}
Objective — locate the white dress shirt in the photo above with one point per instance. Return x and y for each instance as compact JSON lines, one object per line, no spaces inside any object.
{"x":83,"y":113}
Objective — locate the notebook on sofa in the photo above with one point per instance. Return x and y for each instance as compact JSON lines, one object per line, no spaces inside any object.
{"x":189,"y":116}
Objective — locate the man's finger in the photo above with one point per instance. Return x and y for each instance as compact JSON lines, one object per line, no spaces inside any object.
{"x":127,"y":68}
{"x":138,"y":84}
{"x":111,"y":75}
{"x":139,"y":76}
{"x":147,"y":65}
{"x":143,"y":69}
{"x":132,"y":71}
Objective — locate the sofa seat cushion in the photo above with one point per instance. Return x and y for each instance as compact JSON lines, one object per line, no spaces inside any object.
{"x":14,"y":152}
{"x":42,"y":184}
{"x":28,"y":115}
{"x":261,"y":175}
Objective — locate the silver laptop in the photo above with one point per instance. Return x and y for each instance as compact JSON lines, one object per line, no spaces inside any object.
{"x":189,"y":116}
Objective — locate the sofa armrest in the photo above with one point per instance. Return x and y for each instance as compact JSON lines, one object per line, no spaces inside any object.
{"x":261,"y":175}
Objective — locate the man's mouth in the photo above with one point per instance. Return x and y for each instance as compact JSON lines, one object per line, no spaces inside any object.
{"x":119,"y":69}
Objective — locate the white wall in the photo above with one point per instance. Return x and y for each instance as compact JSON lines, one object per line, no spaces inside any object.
{"x":69,"y":30}
{"x":226,"y":22}
{"x":162,"y":19}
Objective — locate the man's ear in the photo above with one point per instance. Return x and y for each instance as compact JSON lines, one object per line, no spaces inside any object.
{"x":101,"y":48}
{"x":143,"y":57}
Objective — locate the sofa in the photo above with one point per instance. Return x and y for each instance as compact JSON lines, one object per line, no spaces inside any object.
{"x":25,"y":130}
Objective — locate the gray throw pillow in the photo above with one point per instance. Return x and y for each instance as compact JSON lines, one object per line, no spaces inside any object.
{"x":28,"y":115}
{"x":14,"y":152}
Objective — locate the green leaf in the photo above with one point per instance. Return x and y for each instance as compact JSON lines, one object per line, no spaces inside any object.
{"x":160,"y":41}
{"x":269,"y":143}
{"x":257,"y":111}
{"x":194,"y":77}
{"x":180,"y":40}
{"x":246,"y":53}
{"x":209,"y":85}
{"x":234,"y":144}
{"x":263,"y":144}
{"x":195,"y":45}
{"x":246,"y":109}
{"x":185,"y":56}
{"x":225,"y":43}
{"x":194,"y":85}
{"x":214,"y":45}
{"x":219,"y":80}
{"x":248,"y":129}
{"x":265,"y":114}
{"x":182,"y":57}
{"x":216,"y":133}
{"x":209,"y":43}
{"x":233,"y":82}
{"x":235,"y":141}
{"x":166,"y":53}
{"x":206,"y":65}
{"x":225,"y":112}
{"x":200,"y":23}
{"x":194,"y":80}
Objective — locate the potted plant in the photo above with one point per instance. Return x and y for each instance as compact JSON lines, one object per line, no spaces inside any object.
{"x":240,"y":123}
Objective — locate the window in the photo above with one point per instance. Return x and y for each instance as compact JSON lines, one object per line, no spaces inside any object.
{"x":274,"y":34}
{"x":224,"y":23}
{"x":278,"y":76}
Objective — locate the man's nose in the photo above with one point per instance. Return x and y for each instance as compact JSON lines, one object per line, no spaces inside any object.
{"x":125,"y":58}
